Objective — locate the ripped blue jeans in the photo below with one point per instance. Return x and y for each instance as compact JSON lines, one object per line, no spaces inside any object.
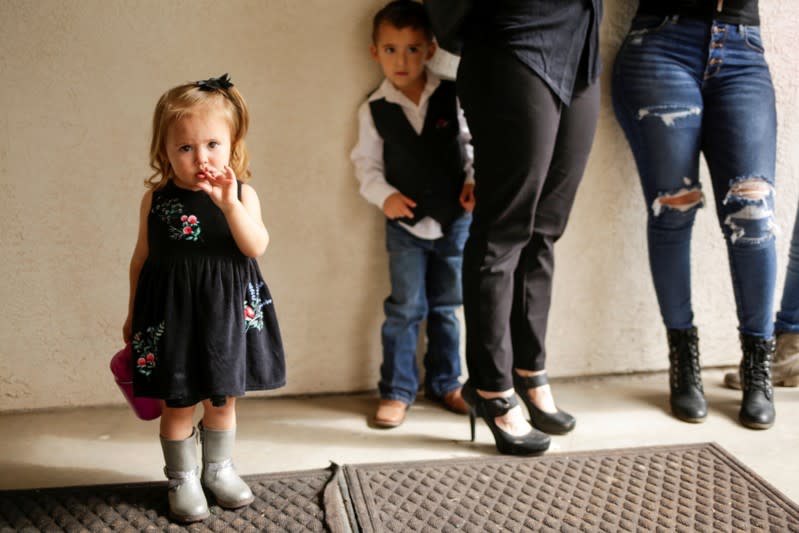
{"x":682,"y":87}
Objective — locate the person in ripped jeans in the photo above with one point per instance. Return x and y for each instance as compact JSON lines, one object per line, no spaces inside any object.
{"x":691,"y":78}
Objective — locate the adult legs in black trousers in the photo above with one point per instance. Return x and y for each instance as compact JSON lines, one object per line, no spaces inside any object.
{"x":530,"y":154}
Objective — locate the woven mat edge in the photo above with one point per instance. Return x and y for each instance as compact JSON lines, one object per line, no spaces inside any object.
{"x":753,"y":476}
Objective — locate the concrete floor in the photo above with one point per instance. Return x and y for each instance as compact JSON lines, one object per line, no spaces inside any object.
{"x":109,"y":445}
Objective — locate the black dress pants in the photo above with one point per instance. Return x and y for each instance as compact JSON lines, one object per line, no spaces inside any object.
{"x":530,"y":151}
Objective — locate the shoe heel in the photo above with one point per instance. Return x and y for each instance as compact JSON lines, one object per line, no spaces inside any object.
{"x":472,"y":417}
{"x":488,"y":410}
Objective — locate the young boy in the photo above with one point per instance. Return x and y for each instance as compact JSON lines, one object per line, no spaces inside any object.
{"x":414,"y":161}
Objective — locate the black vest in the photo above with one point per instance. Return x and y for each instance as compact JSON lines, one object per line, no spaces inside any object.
{"x":426,"y":167}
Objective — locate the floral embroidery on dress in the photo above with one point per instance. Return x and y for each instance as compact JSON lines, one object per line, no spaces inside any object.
{"x":253,"y":308}
{"x":145,"y":348}
{"x":191,"y":228}
{"x":181,"y":226}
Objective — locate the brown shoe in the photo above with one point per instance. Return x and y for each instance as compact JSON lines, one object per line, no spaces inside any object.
{"x":390,"y":413}
{"x":454,"y":402}
{"x":784,"y":368}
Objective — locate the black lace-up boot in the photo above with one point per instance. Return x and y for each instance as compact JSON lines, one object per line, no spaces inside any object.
{"x":757,"y":407}
{"x":685,"y":376}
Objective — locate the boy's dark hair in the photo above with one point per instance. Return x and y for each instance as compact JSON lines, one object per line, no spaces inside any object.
{"x":403,"y":14}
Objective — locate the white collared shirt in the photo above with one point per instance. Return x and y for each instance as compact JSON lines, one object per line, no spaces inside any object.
{"x":368,"y":152}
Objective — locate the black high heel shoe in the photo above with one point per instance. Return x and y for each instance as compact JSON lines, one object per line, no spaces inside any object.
{"x":558,"y":423}
{"x":488,"y":410}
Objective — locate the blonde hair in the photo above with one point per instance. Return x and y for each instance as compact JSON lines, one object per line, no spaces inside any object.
{"x":179,"y":102}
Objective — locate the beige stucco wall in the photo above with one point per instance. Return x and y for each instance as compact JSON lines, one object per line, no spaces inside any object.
{"x":79,"y":79}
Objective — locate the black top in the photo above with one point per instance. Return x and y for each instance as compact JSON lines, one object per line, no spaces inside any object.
{"x":556,"y":39}
{"x":730,"y":11}
{"x":425,"y":167}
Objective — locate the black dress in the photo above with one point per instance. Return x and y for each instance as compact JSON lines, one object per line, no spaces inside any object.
{"x":204,"y":325}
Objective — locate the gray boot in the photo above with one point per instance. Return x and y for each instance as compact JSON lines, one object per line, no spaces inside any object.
{"x":784,"y":369}
{"x":186,"y":499}
{"x":219,"y":474}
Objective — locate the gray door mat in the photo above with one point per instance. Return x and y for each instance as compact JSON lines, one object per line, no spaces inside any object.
{"x":285,"y":501}
{"x":686,"y":488}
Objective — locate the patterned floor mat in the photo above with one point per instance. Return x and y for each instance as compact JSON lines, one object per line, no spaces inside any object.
{"x":677,"y":488}
{"x":687,"y":488}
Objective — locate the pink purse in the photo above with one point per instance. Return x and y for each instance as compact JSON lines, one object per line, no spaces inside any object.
{"x":122,"y":368}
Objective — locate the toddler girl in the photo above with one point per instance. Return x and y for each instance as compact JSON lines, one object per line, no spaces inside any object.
{"x":201,"y":319}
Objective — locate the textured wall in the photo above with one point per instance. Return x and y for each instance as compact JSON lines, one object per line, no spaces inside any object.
{"x":79,"y":81}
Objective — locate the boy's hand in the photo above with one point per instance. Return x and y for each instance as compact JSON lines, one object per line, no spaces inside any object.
{"x":467,"y":197}
{"x":398,"y":205}
{"x":220,"y":186}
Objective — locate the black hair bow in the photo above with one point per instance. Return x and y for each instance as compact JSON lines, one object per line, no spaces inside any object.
{"x":215,"y":84}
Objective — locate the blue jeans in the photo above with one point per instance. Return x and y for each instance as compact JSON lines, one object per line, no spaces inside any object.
{"x":681,"y":87}
{"x":425,"y":283}
{"x":788,"y":315}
